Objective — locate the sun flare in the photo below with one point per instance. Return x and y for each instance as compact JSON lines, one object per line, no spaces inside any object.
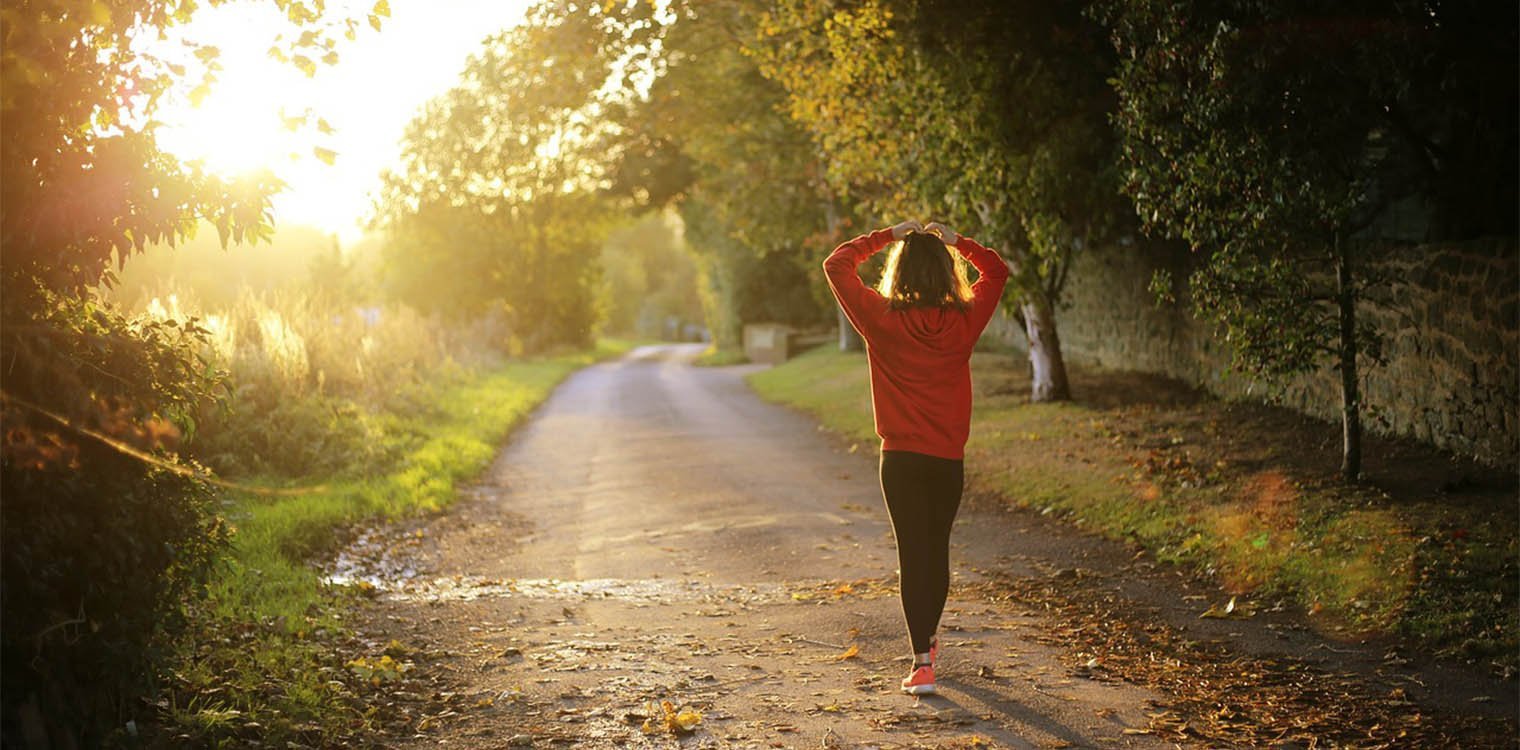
{"x":239,"y":124}
{"x":261,"y":113}
{"x":237,"y":129}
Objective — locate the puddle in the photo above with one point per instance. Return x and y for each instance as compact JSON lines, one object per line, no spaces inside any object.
{"x":645,"y":591}
{"x":385,"y":561}
{"x":379,"y":557}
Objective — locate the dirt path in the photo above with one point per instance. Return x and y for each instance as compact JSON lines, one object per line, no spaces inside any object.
{"x":657,"y":533}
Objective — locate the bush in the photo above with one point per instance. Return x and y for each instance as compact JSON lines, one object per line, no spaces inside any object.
{"x":107,"y":537}
{"x":102,"y":536}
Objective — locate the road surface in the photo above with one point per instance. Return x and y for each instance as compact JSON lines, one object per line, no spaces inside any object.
{"x":656,"y":532}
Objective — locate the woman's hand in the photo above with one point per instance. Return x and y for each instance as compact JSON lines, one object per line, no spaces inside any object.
{"x":946,"y":234}
{"x":900,"y":231}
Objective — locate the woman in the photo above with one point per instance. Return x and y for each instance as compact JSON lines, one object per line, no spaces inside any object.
{"x":919,"y":325}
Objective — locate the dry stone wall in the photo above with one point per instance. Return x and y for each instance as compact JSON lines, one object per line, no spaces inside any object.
{"x":1449,"y":318}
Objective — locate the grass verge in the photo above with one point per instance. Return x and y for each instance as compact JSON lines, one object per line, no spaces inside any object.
{"x":715,"y":357}
{"x":268,"y":661}
{"x":1426,"y":550}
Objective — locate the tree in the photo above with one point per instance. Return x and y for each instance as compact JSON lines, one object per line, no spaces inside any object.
{"x":710,"y":138}
{"x":1274,"y":137}
{"x":649,"y":278}
{"x":989,"y":116}
{"x":87,"y":391}
{"x":498,"y":203}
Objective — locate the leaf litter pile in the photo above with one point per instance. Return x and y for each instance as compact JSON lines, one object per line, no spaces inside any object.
{"x":1219,"y":696}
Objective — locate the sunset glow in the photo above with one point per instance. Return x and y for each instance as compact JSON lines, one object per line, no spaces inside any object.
{"x":263,"y":113}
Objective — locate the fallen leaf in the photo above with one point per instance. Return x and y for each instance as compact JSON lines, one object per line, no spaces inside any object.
{"x":666,"y":717}
{"x":1228,"y":612}
{"x":398,"y":650}
{"x":849,"y":653}
{"x":687,"y":719}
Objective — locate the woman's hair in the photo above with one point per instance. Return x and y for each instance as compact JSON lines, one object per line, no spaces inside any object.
{"x":922,"y":272}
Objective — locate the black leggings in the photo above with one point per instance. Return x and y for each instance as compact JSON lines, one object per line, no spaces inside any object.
{"x":922,"y":493}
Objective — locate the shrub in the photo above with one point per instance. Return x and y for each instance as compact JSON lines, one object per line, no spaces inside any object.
{"x":102,"y":536}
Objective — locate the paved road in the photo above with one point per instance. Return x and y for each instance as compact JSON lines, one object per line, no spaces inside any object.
{"x":657,"y":532}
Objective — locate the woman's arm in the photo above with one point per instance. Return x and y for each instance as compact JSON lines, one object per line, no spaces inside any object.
{"x":991,"y":268}
{"x":988,"y":289}
{"x":842,"y":268}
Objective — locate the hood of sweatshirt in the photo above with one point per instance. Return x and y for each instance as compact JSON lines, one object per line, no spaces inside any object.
{"x":936,"y":328}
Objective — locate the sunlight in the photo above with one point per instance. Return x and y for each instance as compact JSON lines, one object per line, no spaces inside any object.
{"x":236,"y":125}
{"x":252,"y":116}
{"x":235,"y":131}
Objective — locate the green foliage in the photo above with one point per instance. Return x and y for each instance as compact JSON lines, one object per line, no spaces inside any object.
{"x":1261,"y":133}
{"x":81,"y":174}
{"x":996,"y":115}
{"x":96,"y":368}
{"x":989,"y":116}
{"x":99,"y":567}
{"x":100,"y":548}
{"x":746,"y":179}
{"x":1275,"y":125}
{"x":649,"y":277}
{"x":1274,"y":139}
{"x":496,"y":206}
{"x":741,"y":285}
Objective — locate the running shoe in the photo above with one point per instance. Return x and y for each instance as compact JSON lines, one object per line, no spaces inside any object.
{"x":920,"y":682}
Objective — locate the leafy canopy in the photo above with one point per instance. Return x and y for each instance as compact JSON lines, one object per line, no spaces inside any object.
{"x":1273,"y":136}
{"x":81,"y":174}
{"x":989,"y":116}
{"x":498,"y":204}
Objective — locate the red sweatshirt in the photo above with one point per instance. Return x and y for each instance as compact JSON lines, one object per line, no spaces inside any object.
{"x":920,"y":356}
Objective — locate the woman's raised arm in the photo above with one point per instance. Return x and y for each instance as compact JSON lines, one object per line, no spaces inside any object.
{"x":842,"y":268}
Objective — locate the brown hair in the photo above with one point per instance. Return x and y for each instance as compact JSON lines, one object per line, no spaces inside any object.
{"x":922,"y":272}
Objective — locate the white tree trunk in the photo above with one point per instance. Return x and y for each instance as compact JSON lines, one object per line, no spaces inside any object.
{"x":1048,"y":369}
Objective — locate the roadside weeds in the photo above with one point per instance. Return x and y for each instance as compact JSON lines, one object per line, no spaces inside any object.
{"x":269,"y":658}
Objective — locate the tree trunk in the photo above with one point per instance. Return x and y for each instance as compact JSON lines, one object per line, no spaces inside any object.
{"x":1351,"y":400}
{"x":849,"y":338}
{"x":1048,"y":368}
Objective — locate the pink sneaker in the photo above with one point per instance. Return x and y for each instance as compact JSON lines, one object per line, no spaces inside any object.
{"x":920,"y":682}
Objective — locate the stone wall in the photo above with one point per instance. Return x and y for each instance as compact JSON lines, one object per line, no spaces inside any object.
{"x":1449,"y":318}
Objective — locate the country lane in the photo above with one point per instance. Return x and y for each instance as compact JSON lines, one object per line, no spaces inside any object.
{"x":656,"y":532}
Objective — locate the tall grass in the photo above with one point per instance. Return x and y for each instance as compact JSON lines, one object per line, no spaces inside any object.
{"x":312,"y":379}
{"x":369,"y":412}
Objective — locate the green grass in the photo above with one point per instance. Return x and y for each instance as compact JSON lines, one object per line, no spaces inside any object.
{"x":826,"y":383}
{"x":1434,"y":571}
{"x":715,"y":357}
{"x":269,"y":640}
